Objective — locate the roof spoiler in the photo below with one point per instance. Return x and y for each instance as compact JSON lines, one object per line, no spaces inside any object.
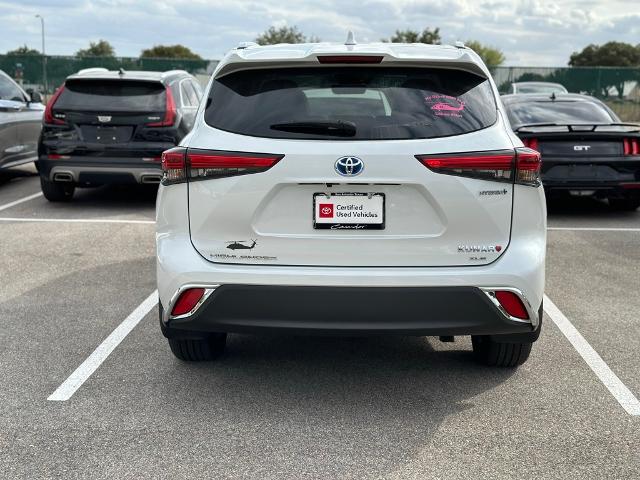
{"x":580,"y":127}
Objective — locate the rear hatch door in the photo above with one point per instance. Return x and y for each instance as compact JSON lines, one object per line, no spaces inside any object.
{"x":337,"y":197}
{"x":109,"y":114}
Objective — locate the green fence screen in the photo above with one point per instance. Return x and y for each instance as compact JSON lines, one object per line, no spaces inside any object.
{"x":618,"y":87}
{"x":28,"y":69}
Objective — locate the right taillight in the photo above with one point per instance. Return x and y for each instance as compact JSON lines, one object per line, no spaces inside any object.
{"x":631,"y":146}
{"x":169,"y":111}
{"x":178,"y":164}
{"x":512,"y":304}
{"x":528,"y":165}
{"x":49,"y":117}
{"x":498,"y":166}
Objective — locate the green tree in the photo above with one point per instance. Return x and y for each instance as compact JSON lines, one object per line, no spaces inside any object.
{"x":101,"y":48}
{"x":611,"y":54}
{"x":413,"y":36}
{"x":170,"y":51}
{"x":24,"y":50}
{"x":490,"y":55}
{"x":284,"y":34}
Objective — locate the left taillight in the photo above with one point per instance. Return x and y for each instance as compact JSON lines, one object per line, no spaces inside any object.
{"x":496,"y":166}
{"x":169,"y":111}
{"x":631,"y":146}
{"x":214,"y":164}
{"x":178,"y":164}
{"x":49,"y":117}
{"x":173,"y":165}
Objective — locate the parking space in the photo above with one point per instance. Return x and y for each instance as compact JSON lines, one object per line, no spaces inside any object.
{"x":298,"y":407}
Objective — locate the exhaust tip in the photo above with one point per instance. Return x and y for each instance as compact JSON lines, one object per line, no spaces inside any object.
{"x":63,"y":177}
{"x":150,"y":179}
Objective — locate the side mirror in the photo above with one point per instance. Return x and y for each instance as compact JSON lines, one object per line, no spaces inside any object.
{"x":36,"y":97}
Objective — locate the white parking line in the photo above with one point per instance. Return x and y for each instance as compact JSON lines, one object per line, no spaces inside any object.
{"x":100,"y":354}
{"x":619,"y":390}
{"x":21,"y":200}
{"x":75,"y":220}
{"x":595,"y":229}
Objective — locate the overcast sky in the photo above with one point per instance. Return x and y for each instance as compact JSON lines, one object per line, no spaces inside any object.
{"x":529,"y":32}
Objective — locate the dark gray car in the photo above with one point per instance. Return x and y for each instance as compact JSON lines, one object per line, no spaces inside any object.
{"x":105,"y":127}
{"x":20,"y":123}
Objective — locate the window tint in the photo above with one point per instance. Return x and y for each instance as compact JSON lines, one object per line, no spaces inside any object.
{"x":524,"y":113}
{"x":112,"y":95}
{"x":9,"y":91}
{"x":377,"y":103}
{"x":522,"y":88}
{"x":189,"y":97}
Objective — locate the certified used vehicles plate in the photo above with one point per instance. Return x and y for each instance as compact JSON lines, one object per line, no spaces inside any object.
{"x":348,"y":211}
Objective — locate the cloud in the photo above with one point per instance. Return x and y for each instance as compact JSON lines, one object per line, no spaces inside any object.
{"x":530,"y":32}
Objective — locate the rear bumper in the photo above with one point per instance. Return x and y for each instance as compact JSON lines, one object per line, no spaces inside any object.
{"x":101,"y":172}
{"x":591,"y":174}
{"x":349,"y":310}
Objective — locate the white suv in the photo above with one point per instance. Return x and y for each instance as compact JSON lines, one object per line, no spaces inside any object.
{"x":354,"y":189}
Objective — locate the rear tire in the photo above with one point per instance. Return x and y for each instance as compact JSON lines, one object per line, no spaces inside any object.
{"x":198,"y":349}
{"x":624,"y":204}
{"x":498,"y":354}
{"x":55,"y":191}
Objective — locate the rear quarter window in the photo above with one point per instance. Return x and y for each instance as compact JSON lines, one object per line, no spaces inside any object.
{"x":112,"y":95}
{"x":382,"y":103}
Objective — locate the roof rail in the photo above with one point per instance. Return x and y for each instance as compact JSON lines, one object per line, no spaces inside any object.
{"x":92,"y":70}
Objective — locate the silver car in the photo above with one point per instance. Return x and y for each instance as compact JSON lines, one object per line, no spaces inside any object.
{"x":20,"y":123}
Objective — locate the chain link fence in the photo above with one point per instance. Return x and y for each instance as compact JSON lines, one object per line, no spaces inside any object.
{"x":618,"y":87}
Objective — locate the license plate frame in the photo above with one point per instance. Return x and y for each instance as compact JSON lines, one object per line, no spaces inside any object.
{"x":337,"y":225}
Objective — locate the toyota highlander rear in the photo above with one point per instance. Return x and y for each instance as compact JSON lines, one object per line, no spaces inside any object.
{"x":352,"y":189}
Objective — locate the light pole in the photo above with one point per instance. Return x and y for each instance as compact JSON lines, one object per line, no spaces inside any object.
{"x":44,"y":57}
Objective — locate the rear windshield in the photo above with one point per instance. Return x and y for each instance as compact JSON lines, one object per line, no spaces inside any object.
{"x":351,"y":103}
{"x":521,"y":88}
{"x":562,"y":112}
{"x":112,"y":95}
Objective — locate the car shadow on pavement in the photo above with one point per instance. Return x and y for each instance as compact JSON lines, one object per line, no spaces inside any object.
{"x":338,"y":407}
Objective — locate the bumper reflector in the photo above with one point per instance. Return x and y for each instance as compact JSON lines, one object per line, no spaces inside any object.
{"x":512,"y":304}
{"x":187,"y":301}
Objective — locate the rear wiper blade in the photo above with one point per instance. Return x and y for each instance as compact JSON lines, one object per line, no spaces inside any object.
{"x":338,"y":129}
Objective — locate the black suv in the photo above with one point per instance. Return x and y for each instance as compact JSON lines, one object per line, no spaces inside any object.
{"x":104,"y":127}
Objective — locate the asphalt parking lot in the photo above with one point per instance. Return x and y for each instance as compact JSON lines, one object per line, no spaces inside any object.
{"x":296,"y":407}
